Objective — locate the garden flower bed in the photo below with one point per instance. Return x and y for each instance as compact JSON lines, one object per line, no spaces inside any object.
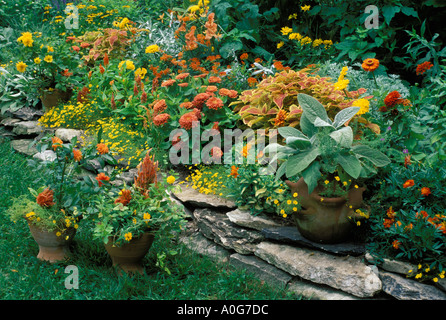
{"x":308,"y":153}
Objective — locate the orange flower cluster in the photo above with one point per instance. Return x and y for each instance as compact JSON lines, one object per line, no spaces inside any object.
{"x":57,"y":143}
{"x":102,"y":177}
{"x":161,"y":119}
{"x":280,"y":118}
{"x":45,"y":198}
{"x":423,"y":67}
{"x":77,"y":155}
{"x":125,"y":197}
{"x":393,"y":99}
{"x":146,"y":174}
{"x":102,"y":148}
{"x":234,"y":172}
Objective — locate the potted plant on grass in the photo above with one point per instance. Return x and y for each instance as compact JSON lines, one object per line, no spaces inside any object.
{"x":327,"y":163}
{"x":53,"y":210}
{"x":128,"y":222}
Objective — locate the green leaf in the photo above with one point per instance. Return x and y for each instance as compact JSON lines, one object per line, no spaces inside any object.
{"x":311,"y":175}
{"x":344,"y":115}
{"x":376,"y":157}
{"x":312,"y":108}
{"x":299,"y":162}
{"x":389,"y":12}
{"x":343,"y":136}
{"x":307,"y":127}
{"x":230,"y":48}
{"x":350,"y":164}
{"x":298,"y":143}
{"x":290,"y":132}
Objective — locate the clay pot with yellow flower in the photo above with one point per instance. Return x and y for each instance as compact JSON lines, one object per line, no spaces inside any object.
{"x":51,"y":227}
{"x":324,"y":153}
{"x":129,"y":220}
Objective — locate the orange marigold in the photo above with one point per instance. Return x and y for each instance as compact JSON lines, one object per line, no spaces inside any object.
{"x":102,"y":148}
{"x":102,"y":177}
{"x":370,"y":64}
{"x":423,"y":67}
{"x":396,"y":244}
{"x":214,"y":79}
{"x":182,"y":76}
{"x":57,"y":143}
{"x":425,"y":191}
{"x":409,"y":183}
{"x":45,"y":198}
{"x":77,"y":155}
{"x":391,"y":99}
{"x":125,"y":197}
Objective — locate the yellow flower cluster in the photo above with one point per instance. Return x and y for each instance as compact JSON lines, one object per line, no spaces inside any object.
{"x":26,"y":39}
{"x":287,"y":205}
{"x":287,"y":31}
{"x":427,"y":273}
{"x":201,"y":7}
{"x":206,"y":181}
{"x":342,"y":83}
{"x":363,"y":105}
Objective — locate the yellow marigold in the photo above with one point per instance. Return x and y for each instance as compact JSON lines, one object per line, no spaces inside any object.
{"x":305,"y":40}
{"x":48,"y":59}
{"x":305,"y":8}
{"x":128,"y":236}
{"x":280,"y":44}
{"x":295,"y":36}
{"x":170,"y":179}
{"x":342,"y":84}
{"x":152,"y":48}
{"x":26,"y":38}
{"x":37,"y":60}
{"x":286,"y":30}
{"x":21,"y":66}
{"x":363,"y":104}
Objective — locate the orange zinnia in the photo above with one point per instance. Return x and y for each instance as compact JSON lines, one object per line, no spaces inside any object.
{"x":234,"y":171}
{"x":102,"y":148}
{"x":125,"y":197}
{"x":392,"y":98}
{"x":161,"y":119}
{"x":370,"y":64}
{"x":423,"y":67}
{"x":77,"y":154}
{"x":102,"y":177}
{"x":214,"y":103}
{"x":57,"y":143}
{"x":45,"y":198}
{"x":425,"y":191}
{"x":409,"y":183}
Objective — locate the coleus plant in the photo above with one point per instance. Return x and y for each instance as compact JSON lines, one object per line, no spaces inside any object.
{"x":323,"y":147}
{"x":273,"y":103}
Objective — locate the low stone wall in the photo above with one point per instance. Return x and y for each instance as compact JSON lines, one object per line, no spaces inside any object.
{"x":277,"y":254}
{"x":274,"y":251}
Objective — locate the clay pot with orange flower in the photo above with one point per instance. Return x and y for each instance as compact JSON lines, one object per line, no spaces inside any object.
{"x":326,"y":164}
{"x":129,"y":220}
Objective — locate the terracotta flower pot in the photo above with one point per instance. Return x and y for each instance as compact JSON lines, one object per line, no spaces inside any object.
{"x":128,"y":257}
{"x":50,"y":99}
{"x":52,"y":248}
{"x":325,"y":220}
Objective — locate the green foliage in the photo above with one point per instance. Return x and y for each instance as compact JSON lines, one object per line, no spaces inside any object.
{"x":324,"y":145}
{"x":408,"y":222}
{"x":255,"y":191}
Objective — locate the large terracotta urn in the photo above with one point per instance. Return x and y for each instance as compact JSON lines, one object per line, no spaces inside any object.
{"x":326,"y":220}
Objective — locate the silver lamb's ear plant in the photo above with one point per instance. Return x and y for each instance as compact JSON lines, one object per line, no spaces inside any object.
{"x":323,"y":144}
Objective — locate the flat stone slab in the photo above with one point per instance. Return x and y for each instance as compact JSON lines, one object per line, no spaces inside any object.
{"x":216,"y":226}
{"x":68,"y":134}
{"x":246,"y":219}
{"x":194,"y":198}
{"x":291,"y":235}
{"x":408,"y":289}
{"x":318,"y":292}
{"x":202,"y":245}
{"x":348,"y":274}
{"x":27,"y":128}
{"x":22,"y":146}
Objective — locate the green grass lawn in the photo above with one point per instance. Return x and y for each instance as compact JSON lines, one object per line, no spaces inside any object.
{"x":23,"y":276}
